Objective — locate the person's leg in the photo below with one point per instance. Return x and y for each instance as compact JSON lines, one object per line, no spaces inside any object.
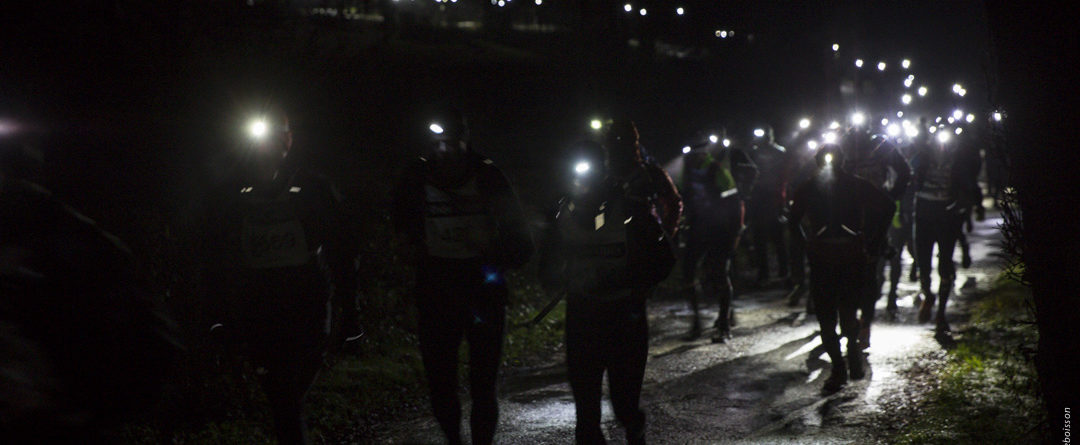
{"x":826,"y":306}
{"x":897,"y":239}
{"x":869,"y":295}
{"x":440,"y":332}
{"x":716,"y":278}
{"x":626,"y":369}
{"x":925,"y":235}
{"x":776,"y":233}
{"x":946,"y":269}
{"x":584,"y":369}
{"x":760,"y":233}
{"x":692,"y":284}
{"x":485,"y":336}
{"x":797,"y":251}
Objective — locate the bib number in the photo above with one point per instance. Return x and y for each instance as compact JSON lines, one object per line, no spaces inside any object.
{"x":268,"y":245}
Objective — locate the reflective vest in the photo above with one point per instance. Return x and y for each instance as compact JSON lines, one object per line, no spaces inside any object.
{"x":272,"y":234}
{"x":457,"y":223}
{"x":596,"y":251}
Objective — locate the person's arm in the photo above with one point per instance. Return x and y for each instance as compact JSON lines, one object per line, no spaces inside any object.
{"x":514,"y":244}
{"x":670,"y":203}
{"x":798,"y":209}
{"x":900,"y":166}
{"x":552,"y":261}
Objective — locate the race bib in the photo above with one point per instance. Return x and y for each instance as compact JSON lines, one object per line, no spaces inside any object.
{"x":271,"y":236}
{"x":456,"y":224}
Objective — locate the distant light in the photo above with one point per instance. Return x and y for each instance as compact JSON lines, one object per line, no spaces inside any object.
{"x":436,"y":128}
{"x":997,"y":116}
{"x":943,"y":137}
{"x":906,"y":123}
{"x":899,"y":114}
{"x":962,"y":92}
{"x":905,"y":64}
{"x":713,"y":138}
{"x":906,"y":99}
{"x":759,"y":132}
{"x":718,"y":33}
{"x":938,"y":120}
{"x":258,"y":128}
{"x":951,"y":119}
{"x":804,"y":123}
{"x":582,"y":167}
{"x":812,"y":144}
{"x":956,"y":88}
{"x":922,"y":90}
{"x":957,"y":114}
{"x":828,"y":158}
{"x":539,"y":2}
{"x":858,"y":63}
{"x":970,"y":118}
{"x":502,"y":3}
{"x":911,"y":132}
{"x":884,"y":121}
{"x":723,"y":34}
{"x":907,"y":83}
{"x":835,"y":47}
{"x":829,"y":138}
{"x":686,"y":149}
{"x":881,"y":66}
{"x":834,"y":125}
{"x":596,"y":124}
{"x":727,"y":142}
{"x":627,"y":7}
{"x":893,"y":130}
{"x":933,"y":130}
{"x":958,"y":131}
{"x":858,"y":118}
{"x":680,"y":10}
{"x":643,"y":11}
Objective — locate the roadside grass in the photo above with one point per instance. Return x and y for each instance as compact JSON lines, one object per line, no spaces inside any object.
{"x":352,"y":399}
{"x":987,"y":390}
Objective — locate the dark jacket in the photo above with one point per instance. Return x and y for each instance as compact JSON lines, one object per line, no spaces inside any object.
{"x":835,"y":199}
{"x":509,"y":243}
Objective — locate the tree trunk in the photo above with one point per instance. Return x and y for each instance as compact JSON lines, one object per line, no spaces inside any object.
{"x":1036,"y":46}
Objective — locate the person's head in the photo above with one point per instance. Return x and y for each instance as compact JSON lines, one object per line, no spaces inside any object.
{"x":830,"y":157}
{"x":763,"y":135}
{"x":621,"y":141}
{"x":585,"y":167}
{"x":447,"y":134}
{"x":270,"y":138}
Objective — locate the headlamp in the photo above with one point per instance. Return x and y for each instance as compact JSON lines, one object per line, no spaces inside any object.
{"x":829,"y":138}
{"x":857,"y":118}
{"x":582,"y":167}
{"x":713,"y":138}
{"x":812,"y":144}
{"x":893,"y":130}
{"x":686,"y":149}
{"x":804,"y":123}
{"x":258,"y":128}
{"x":828,"y":158}
{"x":595,"y":124}
{"x":436,"y":128}
{"x":727,"y":142}
{"x":943,"y":137}
{"x":759,"y":132}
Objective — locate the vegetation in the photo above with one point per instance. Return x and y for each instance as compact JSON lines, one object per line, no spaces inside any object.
{"x":987,"y":389}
